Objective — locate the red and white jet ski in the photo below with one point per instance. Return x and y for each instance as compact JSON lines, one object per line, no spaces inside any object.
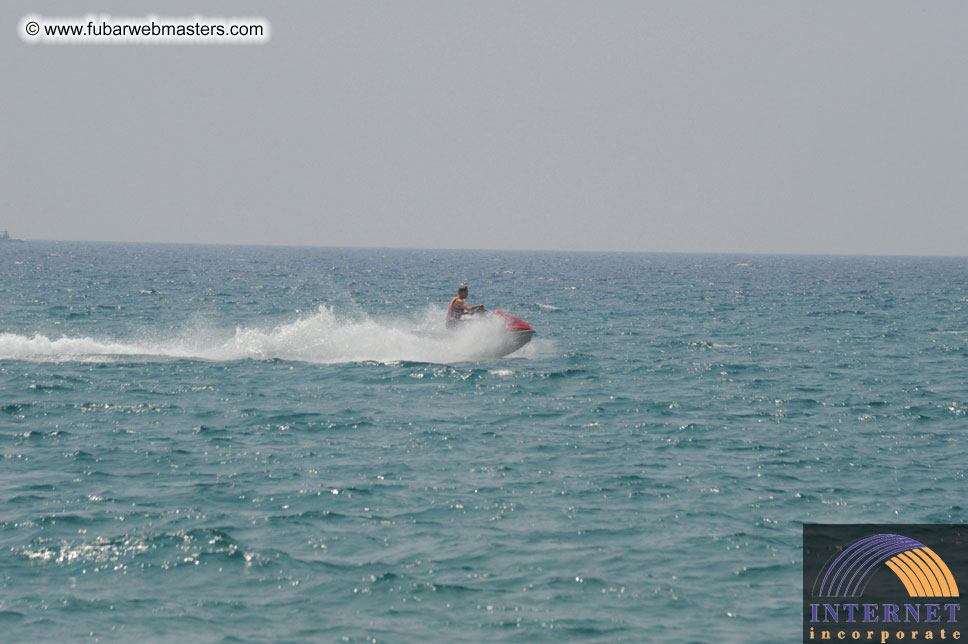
{"x":517,"y":332}
{"x":512,"y":333}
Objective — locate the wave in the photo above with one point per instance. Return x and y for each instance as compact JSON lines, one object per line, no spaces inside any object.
{"x":318,"y":338}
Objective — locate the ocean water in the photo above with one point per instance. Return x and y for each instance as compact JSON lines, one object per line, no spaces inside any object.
{"x":247,"y":444}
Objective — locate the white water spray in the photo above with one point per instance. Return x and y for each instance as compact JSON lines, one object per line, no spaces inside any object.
{"x":318,"y":338}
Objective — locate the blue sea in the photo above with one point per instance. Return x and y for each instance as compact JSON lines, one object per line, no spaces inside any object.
{"x":251,"y":444}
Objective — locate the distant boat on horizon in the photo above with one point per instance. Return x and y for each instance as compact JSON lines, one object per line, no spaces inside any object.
{"x":5,"y":237}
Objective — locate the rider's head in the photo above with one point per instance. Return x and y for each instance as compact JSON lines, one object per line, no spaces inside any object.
{"x":462,"y":290}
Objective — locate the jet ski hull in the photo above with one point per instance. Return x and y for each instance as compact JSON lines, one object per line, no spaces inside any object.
{"x":514,"y":340}
{"x":517,"y":332}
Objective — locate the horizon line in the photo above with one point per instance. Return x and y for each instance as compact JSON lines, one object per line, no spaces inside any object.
{"x":503,"y":250}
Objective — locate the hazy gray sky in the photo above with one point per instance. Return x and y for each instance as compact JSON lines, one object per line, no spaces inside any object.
{"x":813,"y":127}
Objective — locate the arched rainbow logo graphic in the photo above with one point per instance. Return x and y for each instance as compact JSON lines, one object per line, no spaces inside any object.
{"x":922,"y":572}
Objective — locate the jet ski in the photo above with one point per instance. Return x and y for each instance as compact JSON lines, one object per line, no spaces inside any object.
{"x":514,"y":333}
{"x":517,"y":332}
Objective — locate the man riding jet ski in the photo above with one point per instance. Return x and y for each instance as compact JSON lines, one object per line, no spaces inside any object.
{"x":516,"y":333}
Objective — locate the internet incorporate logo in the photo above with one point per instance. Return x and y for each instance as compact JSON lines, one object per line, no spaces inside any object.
{"x":909,"y":591}
{"x":919,"y":568}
